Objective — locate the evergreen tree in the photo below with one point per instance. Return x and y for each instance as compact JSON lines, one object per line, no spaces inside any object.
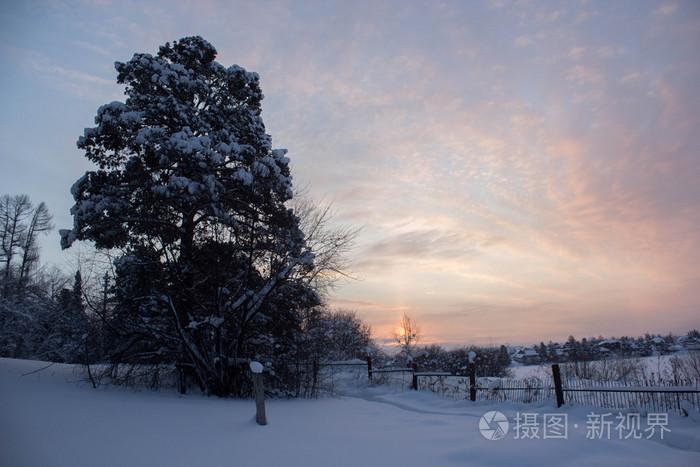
{"x":188,"y":185}
{"x":76,"y":297}
{"x":573,"y":348}
{"x":66,"y":326}
{"x":552,"y":354}
{"x":503,"y":357}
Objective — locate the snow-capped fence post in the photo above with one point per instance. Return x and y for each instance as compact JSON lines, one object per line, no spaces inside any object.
{"x":558,"y":391}
{"x":414,"y":380}
{"x":256,"y":369}
{"x":472,"y":376}
{"x":369,"y":368}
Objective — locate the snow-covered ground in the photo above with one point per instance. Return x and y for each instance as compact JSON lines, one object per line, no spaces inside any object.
{"x":49,"y":418}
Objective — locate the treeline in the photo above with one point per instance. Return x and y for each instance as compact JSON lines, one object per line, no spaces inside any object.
{"x":43,"y":311}
{"x":41,"y":315}
{"x":598,"y":348}
{"x":489,"y":361}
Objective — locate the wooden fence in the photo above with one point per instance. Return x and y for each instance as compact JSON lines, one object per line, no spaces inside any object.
{"x":652,"y":396}
{"x":660,"y":397}
{"x":624,"y":396}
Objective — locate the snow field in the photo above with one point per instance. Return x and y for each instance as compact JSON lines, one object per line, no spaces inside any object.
{"x":49,"y":418}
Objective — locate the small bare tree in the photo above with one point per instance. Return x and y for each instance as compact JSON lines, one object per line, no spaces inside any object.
{"x":407,"y":335}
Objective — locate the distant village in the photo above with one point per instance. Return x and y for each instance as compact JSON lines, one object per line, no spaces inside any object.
{"x":601,"y":348}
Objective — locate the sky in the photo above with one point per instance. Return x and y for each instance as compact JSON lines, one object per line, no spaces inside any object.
{"x":520,"y":170}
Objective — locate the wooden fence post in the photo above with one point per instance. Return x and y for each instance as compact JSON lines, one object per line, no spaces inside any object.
{"x":181,"y":379}
{"x":369,"y":368}
{"x":558,"y":391}
{"x":256,"y":368}
{"x":472,"y":381}
{"x":414,"y":380}
{"x":314,"y":385}
{"x":181,"y":387}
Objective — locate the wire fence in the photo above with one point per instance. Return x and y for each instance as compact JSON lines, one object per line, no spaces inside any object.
{"x":663,"y":396}
{"x":393,"y":376}
{"x":527,"y":390}
{"x":680,"y":396}
{"x":316,"y":378}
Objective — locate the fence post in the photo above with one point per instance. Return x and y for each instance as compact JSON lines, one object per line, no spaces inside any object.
{"x":558,"y":391}
{"x":314,"y":370}
{"x":181,"y":379}
{"x":369,"y":368}
{"x":472,"y":381}
{"x":256,"y":369}
{"x":178,"y":371}
{"x":414,"y":381}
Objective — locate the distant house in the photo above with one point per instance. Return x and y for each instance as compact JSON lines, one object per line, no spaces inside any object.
{"x":659,"y":345}
{"x":527,"y":356}
{"x":609,"y":345}
{"x":689,"y":343}
{"x":561,"y":354}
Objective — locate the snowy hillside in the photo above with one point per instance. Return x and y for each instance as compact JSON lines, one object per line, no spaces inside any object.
{"x":50,"y":419}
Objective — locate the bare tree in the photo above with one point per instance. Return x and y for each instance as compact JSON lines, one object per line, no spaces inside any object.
{"x":407,"y":335}
{"x":40,"y":222}
{"x":329,"y":242}
{"x":51,"y":280}
{"x":13,"y":212}
{"x":20,"y":226}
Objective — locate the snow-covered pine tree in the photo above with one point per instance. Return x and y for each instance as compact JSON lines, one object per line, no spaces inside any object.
{"x":188,"y":186}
